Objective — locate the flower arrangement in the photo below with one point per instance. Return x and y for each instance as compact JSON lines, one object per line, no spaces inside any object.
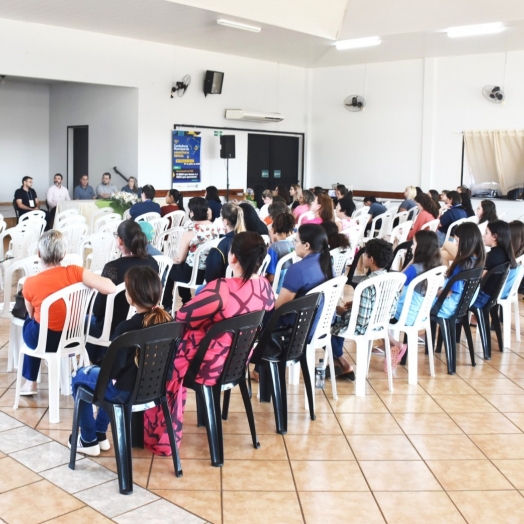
{"x":120,"y":201}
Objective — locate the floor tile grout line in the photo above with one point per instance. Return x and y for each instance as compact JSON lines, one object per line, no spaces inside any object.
{"x":294,"y":480}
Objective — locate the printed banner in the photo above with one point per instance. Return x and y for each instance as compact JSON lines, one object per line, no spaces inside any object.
{"x":186,"y":157}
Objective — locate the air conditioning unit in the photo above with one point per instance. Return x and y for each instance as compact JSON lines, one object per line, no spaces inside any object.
{"x":252,"y":116}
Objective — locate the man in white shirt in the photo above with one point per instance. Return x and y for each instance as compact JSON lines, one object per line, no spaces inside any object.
{"x":56,"y":193}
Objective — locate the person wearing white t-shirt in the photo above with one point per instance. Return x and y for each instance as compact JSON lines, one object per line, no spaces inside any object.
{"x":56,"y":193}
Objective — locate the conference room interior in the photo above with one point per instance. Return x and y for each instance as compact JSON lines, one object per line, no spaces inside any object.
{"x":447,"y":449}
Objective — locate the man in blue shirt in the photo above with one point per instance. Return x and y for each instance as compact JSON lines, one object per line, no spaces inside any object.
{"x":147,"y":205}
{"x":84,"y":191}
{"x":451,"y":213}
{"x":375,"y":209}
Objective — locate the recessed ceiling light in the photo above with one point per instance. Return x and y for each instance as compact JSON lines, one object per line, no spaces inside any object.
{"x":355,"y":43}
{"x":238,"y":25}
{"x":473,"y":30}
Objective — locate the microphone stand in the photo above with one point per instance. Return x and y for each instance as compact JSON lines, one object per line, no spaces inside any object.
{"x":118,"y":173}
{"x":227,"y":179}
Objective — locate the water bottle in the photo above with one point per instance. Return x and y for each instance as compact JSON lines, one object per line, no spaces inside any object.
{"x":320,"y":374}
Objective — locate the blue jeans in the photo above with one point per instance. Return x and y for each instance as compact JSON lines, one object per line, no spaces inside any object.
{"x":88,"y":377}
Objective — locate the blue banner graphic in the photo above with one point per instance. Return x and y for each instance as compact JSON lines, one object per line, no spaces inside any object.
{"x":186,"y":157}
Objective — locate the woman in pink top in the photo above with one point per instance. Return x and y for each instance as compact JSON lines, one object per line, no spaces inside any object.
{"x":428,"y":211}
{"x":322,"y":208}
{"x":306,"y":199}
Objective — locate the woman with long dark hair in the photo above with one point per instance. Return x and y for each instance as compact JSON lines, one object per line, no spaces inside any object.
{"x":282,"y":191}
{"x":251,"y":220}
{"x":435,"y":195}
{"x":224,"y":298}
{"x":213,"y":201}
{"x":428,"y":211}
{"x":174,"y":202}
{"x":322,"y":208}
{"x":487,"y":211}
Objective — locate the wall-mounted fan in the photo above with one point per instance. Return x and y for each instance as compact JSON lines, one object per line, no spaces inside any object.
{"x":493,"y":94}
{"x":354,"y":103}
{"x":181,"y":87}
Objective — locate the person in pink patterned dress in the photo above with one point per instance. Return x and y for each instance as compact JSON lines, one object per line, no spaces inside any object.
{"x":198,"y":231}
{"x":220,"y":299}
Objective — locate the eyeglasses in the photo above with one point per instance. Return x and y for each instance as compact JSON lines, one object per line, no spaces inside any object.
{"x":297,"y":240}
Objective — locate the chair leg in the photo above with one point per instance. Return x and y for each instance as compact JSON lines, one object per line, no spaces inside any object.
{"x":388,"y":362}
{"x":412,"y":356}
{"x":201,"y":409}
{"x":74,"y":431}
{"x":211,"y":424}
{"x":517,"y":320}
{"x":18,"y":379}
{"x":279,"y":402}
{"x":331,"y":361}
{"x":469,"y":338}
{"x":429,"y":349}
{"x":217,"y":391}
{"x":309,"y":387}
{"x":506,"y":324}
{"x":265,"y":385}
{"x":54,"y":388}
{"x":227,"y":398}
{"x":484,"y":330}
{"x":361,"y":368}
{"x":495,"y":322}
{"x":172,"y":440}
{"x":448,"y":337}
{"x":121,"y":428}
{"x":249,"y":412}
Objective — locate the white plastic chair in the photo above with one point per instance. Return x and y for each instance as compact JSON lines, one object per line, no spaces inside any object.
{"x":474,"y":219}
{"x":413,"y":213}
{"x":70,"y":220}
{"x":386,"y":218}
{"x":74,"y":233}
{"x":452,"y":226}
{"x":96,"y":215}
{"x":202,"y":251}
{"x":32,"y":215}
{"x":432,"y":225}
{"x":176,"y":218}
{"x":506,"y":303}
{"x":72,"y":259}
{"x":483,"y":226}
{"x":147,"y":217}
{"x":161,"y":226}
{"x":37,"y":224}
{"x":110,"y":228}
{"x":400,"y":233}
{"x":364,"y":210}
{"x":59,"y":217}
{"x":341,"y":258}
{"x":266,"y":239}
{"x":362,"y":219}
{"x":402,"y":217}
{"x":433,"y":280}
{"x":278,"y":270}
{"x":21,"y":237}
{"x":164,"y":267}
{"x":171,"y":241}
{"x":105,"y":219}
{"x":101,"y":246}
{"x":387,"y":288}
{"x":307,"y":214}
{"x":77,"y":299}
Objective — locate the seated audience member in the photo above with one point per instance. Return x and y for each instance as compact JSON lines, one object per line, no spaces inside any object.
{"x":465,"y":200}
{"x":233,"y":220}
{"x":84,"y":191}
{"x":25,"y":197}
{"x":317,"y":190}
{"x":105,"y":189}
{"x":443,"y":195}
{"x":435,"y":195}
{"x":517,"y":242}
{"x":282,"y":191}
{"x":174,"y":202}
{"x":487,"y":211}
{"x":498,"y":237}
{"x":375,"y":209}
{"x":378,"y":256}
{"x":275,"y":208}
{"x":149,"y":231}
{"x":252,"y":221}
{"x":342,"y":192}
{"x":143,"y":292}
{"x":147,"y":205}
{"x":449,"y":214}
{"x":335,"y":238}
{"x":198,"y":231}
{"x":56,"y":193}
{"x":281,"y":229}
{"x":345,"y":208}
{"x":470,"y":255}
{"x":267,"y":198}
{"x":409,"y":194}
{"x":52,"y":248}
{"x":428,"y":211}
{"x":132,"y":243}
{"x":305,"y":203}
{"x":213,"y":201}
{"x":322,"y":208}
{"x":295,"y":192}
{"x":132,"y":187}
{"x":220,"y":299}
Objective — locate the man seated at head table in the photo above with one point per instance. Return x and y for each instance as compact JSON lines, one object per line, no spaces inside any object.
{"x":106,"y":189}
{"x":84,"y":191}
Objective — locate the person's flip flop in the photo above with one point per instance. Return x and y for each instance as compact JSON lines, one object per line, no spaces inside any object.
{"x":338,"y":371}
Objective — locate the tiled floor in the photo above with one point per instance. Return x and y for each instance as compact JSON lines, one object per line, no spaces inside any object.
{"x":450,"y":449}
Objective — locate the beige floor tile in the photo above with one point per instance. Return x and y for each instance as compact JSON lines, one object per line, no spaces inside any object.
{"x":411,"y":475}
{"x":195,"y":445}
{"x":427,"y":424}
{"x":85,"y":515}
{"x":507,"y":403}
{"x":464,"y":404}
{"x":480,"y":371}
{"x":318,"y":447}
{"x":335,"y":508}
{"x":66,"y":420}
{"x":47,"y":502}
{"x":425,"y":506}
{"x":259,"y":476}
{"x":456,"y":386}
{"x":380,"y":385}
{"x":353,"y":404}
{"x":301,"y":424}
{"x":141,"y":468}
{"x":513,"y":470}
{"x":382,"y":447}
{"x":29,"y":416}
{"x":411,"y":404}
{"x":502,"y":446}
{"x":198,"y":475}
{"x":442,"y":447}
{"x":311,"y":475}
{"x":512,"y":371}
{"x":14,"y":475}
{"x":369,"y":424}
{"x":240,"y":447}
{"x":483,"y":423}
{"x":468,"y":475}
{"x":490,"y":507}
{"x":517,"y":419}
{"x":261,"y":507}
{"x":205,"y":504}
{"x":486,"y":386}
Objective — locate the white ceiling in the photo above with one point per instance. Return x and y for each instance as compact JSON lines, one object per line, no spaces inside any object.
{"x":296,"y":32}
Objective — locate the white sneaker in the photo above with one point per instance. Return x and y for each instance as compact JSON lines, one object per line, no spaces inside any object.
{"x":93,"y":450}
{"x":103,"y":442}
{"x":28,"y":389}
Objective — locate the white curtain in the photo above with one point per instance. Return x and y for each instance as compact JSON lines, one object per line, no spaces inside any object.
{"x":496,"y":156}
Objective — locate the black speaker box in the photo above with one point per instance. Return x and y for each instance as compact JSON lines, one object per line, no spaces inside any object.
{"x":213,"y":83}
{"x":227,"y":146}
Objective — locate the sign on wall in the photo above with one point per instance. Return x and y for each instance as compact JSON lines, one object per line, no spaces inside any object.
{"x":186,"y":157}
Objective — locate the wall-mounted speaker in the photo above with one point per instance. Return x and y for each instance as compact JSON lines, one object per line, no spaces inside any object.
{"x":213,"y":83}
{"x":227,"y":146}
